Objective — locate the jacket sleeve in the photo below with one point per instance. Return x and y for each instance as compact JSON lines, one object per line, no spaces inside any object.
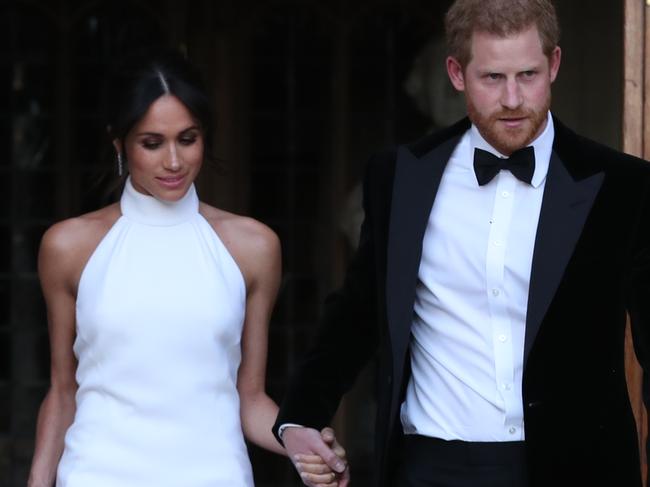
{"x":348,"y":333}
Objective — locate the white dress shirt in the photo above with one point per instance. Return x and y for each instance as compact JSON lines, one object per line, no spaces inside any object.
{"x":467,"y":336}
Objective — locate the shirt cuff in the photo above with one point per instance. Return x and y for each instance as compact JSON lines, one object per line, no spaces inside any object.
{"x":284,"y":426}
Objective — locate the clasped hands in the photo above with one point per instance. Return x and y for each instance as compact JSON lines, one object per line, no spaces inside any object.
{"x":318,"y":457}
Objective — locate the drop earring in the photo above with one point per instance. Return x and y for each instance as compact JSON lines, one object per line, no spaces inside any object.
{"x":120,"y":164}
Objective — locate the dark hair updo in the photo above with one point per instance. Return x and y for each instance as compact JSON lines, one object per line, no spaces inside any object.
{"x":148,"y":76}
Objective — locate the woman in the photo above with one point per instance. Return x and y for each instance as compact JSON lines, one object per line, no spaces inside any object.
{"x":158,"y":310}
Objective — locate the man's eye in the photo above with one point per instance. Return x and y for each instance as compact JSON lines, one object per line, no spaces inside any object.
{"x":494,"y":76}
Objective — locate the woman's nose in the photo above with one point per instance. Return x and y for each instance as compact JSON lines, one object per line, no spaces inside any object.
{"x":173,"y":162}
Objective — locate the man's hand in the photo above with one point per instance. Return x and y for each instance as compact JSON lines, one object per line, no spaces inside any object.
{"x":318,"y":457}
{"x":330,"y":438}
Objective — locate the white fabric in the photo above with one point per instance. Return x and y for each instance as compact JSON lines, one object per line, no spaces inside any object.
{"x":467,"y":340}
{"x":160,"y":310}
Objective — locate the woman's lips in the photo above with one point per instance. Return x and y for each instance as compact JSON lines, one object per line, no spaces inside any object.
{"x":171,"y":182}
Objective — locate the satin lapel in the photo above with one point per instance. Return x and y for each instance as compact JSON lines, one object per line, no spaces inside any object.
{"x":565,"y":208}
{"x":415,"y":185}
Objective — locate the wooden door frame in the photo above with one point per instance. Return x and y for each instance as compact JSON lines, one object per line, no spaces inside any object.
{"x":636,"y":141}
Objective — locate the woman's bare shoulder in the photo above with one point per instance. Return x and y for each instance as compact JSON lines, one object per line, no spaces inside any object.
{"x":239,"y":230}
{"x":67,"y":245}
{"x":252,"y":243}
{"x":75,"y":233}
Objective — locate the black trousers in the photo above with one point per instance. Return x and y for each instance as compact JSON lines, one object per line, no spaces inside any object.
{"x":430,"y":462}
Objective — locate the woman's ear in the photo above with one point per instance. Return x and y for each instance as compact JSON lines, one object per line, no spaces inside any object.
{"x":117,"y":143}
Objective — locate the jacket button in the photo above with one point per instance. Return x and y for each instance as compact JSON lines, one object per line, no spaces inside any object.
{"x":534,"y":404}
{"x":389,"y":379}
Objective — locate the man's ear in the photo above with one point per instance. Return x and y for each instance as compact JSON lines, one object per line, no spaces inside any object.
{"x":455,"y":72}
{"x":554,"y":62}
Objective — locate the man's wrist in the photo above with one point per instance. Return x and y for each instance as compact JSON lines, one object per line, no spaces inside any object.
{"x":284,"y":426}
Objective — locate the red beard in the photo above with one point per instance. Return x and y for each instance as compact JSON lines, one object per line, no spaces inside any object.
{"x":505,"y":139}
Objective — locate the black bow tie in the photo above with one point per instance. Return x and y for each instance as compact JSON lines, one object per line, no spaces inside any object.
{"x":521,"y":164}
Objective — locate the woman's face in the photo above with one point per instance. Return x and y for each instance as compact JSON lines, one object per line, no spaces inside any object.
{"x":164,"y":150}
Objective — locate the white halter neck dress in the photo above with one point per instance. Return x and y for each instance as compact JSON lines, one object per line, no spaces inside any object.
{"x":160,"y":310}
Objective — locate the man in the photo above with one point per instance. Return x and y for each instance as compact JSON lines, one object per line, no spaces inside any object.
{"x":496,"y":264}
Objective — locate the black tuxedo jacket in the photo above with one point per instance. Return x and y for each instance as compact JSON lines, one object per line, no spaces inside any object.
{"x":591,"y":266}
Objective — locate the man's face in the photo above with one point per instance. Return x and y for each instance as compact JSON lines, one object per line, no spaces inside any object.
{"x":507,"y":86}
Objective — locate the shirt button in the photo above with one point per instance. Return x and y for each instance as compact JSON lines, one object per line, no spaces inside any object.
{"x":505,"y":194}
{"x":512,"y":430}
{"x":502,"y":338}
{"x":498,"y":243}
{"x":506,"y":387}
{"x":495,"y":292}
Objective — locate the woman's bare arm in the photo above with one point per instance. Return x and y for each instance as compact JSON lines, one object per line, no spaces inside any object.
{"x":64,"y":250}
{"x":55,"y":263}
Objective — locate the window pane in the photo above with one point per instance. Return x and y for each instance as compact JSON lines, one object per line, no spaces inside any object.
{"x":5,"y":410}
{"x":5,"y":250}
{"x":29,"y":304}
{"x":5,"y":356}
{"x":35,"y":195}
{"x":5,"y":302}
{"x":26,"y":241}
